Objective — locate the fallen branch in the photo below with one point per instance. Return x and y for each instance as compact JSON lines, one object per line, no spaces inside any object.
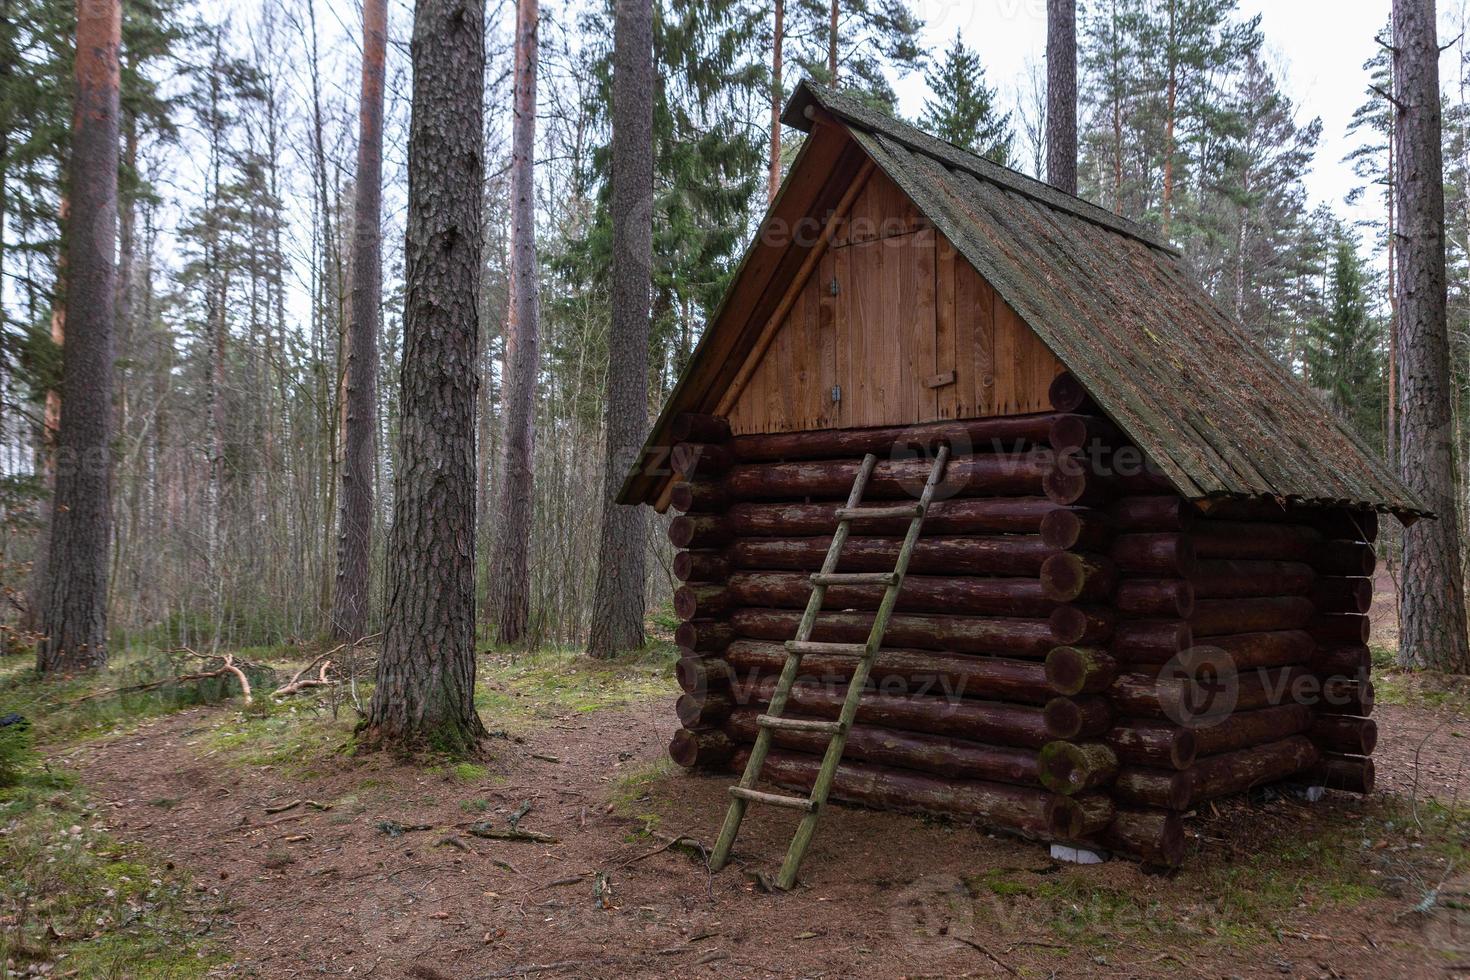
{"x":494,"y":833}
{"x":299,"y":682}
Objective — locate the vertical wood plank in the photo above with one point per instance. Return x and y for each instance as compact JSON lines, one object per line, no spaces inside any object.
{"x":842,"y":335}
{"x":825,"y":414}
{"x":924,"y":326}
{"x":947,"y":399}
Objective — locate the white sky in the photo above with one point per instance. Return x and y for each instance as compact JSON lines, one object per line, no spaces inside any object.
{"x":1318,"y":47}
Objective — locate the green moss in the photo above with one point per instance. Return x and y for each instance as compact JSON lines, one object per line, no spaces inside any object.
{"x":74,"y":897}
{"x":526,"y":691}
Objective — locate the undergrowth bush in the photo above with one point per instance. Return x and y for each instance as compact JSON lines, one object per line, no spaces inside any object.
{"x":15,"y":752}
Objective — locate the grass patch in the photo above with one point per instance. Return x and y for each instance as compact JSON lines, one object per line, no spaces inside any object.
{"x":64,"y":708}
{"x":524,"y":691}
{"x":291,"y":737}
{"x":75,"y":899}
{"x":1424,"y":689}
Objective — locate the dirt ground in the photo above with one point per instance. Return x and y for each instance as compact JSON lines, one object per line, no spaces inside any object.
{"x":341,"y":891}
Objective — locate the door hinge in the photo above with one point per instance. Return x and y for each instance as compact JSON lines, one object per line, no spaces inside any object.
{"x":833,"y":286}
{"x":836,"y":394}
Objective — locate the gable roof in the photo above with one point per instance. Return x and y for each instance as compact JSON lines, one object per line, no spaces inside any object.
{"x":1216,"y":413}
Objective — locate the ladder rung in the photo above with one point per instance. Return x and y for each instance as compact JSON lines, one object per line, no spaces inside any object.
{"x":798,"y":724}
{"x":872,"y":513}
{"x":805,"y":647}
{"x":855,"y":578}
{"x":775,"y":799}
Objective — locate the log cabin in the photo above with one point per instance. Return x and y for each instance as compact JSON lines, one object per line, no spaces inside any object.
{"x":1145,"y":581}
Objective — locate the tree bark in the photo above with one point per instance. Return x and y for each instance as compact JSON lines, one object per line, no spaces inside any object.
{"x":773,"y":177}
{"x":1432,"y":627}
{"x":354,"y":541}
{"x":1061,"y":94}
{"x":617,"y":617}
{"x":74,"y":615}
{"x":510,"y":587}
{"x":426,"y":671}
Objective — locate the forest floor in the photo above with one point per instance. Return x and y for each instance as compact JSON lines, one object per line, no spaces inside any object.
{"x":211,"y":841}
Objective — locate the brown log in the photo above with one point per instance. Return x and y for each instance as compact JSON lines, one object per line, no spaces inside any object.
{"x":1340,"y":630}
{"x":1074,"y":432}
{"x":700,"y":459}
{"x":1152,"y":836}
{"x":1197,"y":701}
{"x":939,"y":754}
{"x":920,"y":593}
{"x":1069,"y":719}
{"x":1344,"y":733}
{"x":1169,"y":555}
{"x":1088,"y":625}
{"x":961,"y":634}
{"x":984,"y":475}
{"x":1072,"y":767}
{"x":701,"y":566}
{"x":1082,"y":816}
{"x":1339,"y":594}
{"x":1069,"y":576}
{"x":1236,"y":772}
{"x":1079,"y":670}
{"x":973,"y":515}
{"x":1076,"y":484}
{"x":1221,"y":655}
{"x":1341,"y":523}
{"x":1244,"y":729}
{"x":700,"y":496}
{"x":1349,"y":661}
{"x":697,"y":675}
{"x":1077,"y":529}
{"x":699,"y":531}
{"x":704,"y":635}
{"x":693,"y":427}
{"x":1158,"y":598}
{"x":1167,"y":789}
{"x":1221,"y":617}
{"x":703,"y":749}
{"x":1168,"y":512}
{"x":908,"y":671}
{"x":702,"y":600}
{"x":1349,"y":773}
{"x":1253,"y":509}
{"x":1003,"y":434}
{"x":1066,"y":393}
{"x":1344,"y":558}
{"x":1009,"y":554}
{"x":1146,"y":743}
{"x":703,"y":710}
{"x":992,"y":722}
{"x":1254,"y":541}
{"x":1000,"y":805}
{"x":1150,"y":641}
{"x":1237,"y":579}
{"x":1341,"y":696}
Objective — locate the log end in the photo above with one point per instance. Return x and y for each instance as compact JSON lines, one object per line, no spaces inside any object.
{"x":707,"y":749}
{"x":1074,"y":670}
{"x":1063,"y":718}
{"x":1066,"y":393}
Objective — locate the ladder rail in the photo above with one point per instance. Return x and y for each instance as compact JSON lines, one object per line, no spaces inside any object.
{"x":838,"y":744}
{"x":762,"y":747}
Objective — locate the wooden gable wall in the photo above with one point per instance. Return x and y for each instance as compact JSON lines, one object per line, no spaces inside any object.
{"x":909,"y":333}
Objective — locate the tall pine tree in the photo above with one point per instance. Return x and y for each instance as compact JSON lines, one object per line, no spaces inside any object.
{"x":962,"y":108}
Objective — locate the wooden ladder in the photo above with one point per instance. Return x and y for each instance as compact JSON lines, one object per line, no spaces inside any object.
{"x":744,"y":792}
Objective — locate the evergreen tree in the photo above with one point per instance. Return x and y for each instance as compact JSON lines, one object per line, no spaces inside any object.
{"x":853,"y":43}
{"x":1344,"y":359}
{"x":963,"y":110}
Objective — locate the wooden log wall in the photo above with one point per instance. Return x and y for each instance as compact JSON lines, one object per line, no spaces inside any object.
{"x":1078,"y":653}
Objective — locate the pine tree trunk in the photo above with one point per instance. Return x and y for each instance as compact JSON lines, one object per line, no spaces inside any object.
{"x":1431,"y":588}
{"x":773,"y":178}
{"x":355,"y":521}
{"x":832,"y":43}
{"x":510,"y":582}
{"x":1061,"y":94}
{"x":426,"y":671}
{"x":617,"y":616}
{"x":74,"y":626}
{"x":1172,"y":99}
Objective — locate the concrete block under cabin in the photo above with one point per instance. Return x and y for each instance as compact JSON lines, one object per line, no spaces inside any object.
{"x":1145,"y":584}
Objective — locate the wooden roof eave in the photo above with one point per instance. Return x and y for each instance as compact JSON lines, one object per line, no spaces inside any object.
{"x":824,"y":168}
